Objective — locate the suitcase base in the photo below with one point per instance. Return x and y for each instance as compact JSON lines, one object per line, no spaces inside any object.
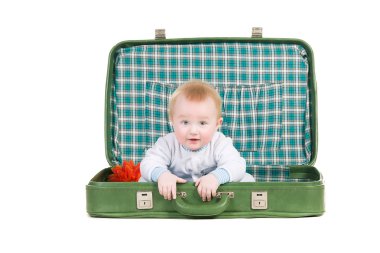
{"x":234,"y":200}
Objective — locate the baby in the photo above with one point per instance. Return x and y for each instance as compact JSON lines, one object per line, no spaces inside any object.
{"x":195,"y":151}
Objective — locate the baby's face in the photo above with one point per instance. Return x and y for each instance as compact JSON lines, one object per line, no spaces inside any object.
{"x":195,"y":122}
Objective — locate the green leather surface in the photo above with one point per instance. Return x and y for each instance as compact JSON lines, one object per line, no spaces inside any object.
{"x":285,"y":199}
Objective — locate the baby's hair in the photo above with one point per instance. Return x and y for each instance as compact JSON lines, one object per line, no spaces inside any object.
{"x":196,"y":90}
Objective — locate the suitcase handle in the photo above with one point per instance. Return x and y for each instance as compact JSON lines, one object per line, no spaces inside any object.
{"x":215,"y":207}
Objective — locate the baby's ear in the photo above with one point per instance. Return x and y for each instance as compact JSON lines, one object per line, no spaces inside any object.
{"x":220,"y":121}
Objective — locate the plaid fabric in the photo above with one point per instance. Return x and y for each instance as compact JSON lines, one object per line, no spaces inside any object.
{"x":273,"y":173}
{"x":264,"y":91}
{"x":156,"y":116}
{"x":252,"y":116}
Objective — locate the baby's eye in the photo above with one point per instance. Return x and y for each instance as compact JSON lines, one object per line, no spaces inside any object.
{"x":185,"y":122}
{"x":203,"y":123}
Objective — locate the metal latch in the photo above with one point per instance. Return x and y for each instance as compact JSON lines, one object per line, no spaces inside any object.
{"x":144,"y":200}
{"x":259,"y":200}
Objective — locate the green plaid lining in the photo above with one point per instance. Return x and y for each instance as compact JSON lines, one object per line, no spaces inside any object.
{"x":264,"y":91}
{"x":252,"y":116}
{"x":156,"y":116}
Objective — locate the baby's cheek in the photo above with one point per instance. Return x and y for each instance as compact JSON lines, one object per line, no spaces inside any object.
{"x":208,"y":135}
{"x":179,"y":135}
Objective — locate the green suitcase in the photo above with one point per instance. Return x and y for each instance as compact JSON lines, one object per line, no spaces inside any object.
{"x":268,"y":89}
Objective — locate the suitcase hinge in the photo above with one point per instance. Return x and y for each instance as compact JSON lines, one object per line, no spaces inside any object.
{"x":182,"y":194}
{"x":257,"y":32}
{"x":231,"y":195}
{"x":160,"y":34}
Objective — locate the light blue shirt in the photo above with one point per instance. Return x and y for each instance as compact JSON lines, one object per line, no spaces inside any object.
{"x":218,"y":157}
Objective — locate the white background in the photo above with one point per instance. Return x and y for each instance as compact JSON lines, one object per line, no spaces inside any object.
{"x":53,"y":62}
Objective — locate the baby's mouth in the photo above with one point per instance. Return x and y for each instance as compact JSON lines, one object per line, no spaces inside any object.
{"x":193,"y":139}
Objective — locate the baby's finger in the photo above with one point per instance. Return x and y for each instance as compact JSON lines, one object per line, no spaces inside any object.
{"x":170,"y":192}
{"x":204,"y":194}
{"x":181,"y":180}
{"x":213,"y":192}
{"x":160,"y":190}
{"x":165,"y":192}
{"x":174,"y":191}
{"x":200,"y":190}
{"x":208,"y":194}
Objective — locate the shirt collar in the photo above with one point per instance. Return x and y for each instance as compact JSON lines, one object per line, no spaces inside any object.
{"x":195,"y":151}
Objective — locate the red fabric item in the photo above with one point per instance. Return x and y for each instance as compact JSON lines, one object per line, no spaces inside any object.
{"x":129,"y":172}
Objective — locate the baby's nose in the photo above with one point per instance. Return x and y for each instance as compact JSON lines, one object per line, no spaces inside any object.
{"x":194,"y":129}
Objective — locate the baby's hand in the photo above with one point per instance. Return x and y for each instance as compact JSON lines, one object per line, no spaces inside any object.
{"x":207,"y":186}
{"x":167,"y":185}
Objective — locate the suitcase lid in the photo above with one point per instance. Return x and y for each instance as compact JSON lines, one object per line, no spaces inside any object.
{"x":267,"y":85}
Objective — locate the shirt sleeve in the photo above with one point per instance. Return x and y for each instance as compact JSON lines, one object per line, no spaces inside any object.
{"x":229,"y":158}
{"x":156,"y":173}
{"x":158,"y":156}
{"x":221,"y":175}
